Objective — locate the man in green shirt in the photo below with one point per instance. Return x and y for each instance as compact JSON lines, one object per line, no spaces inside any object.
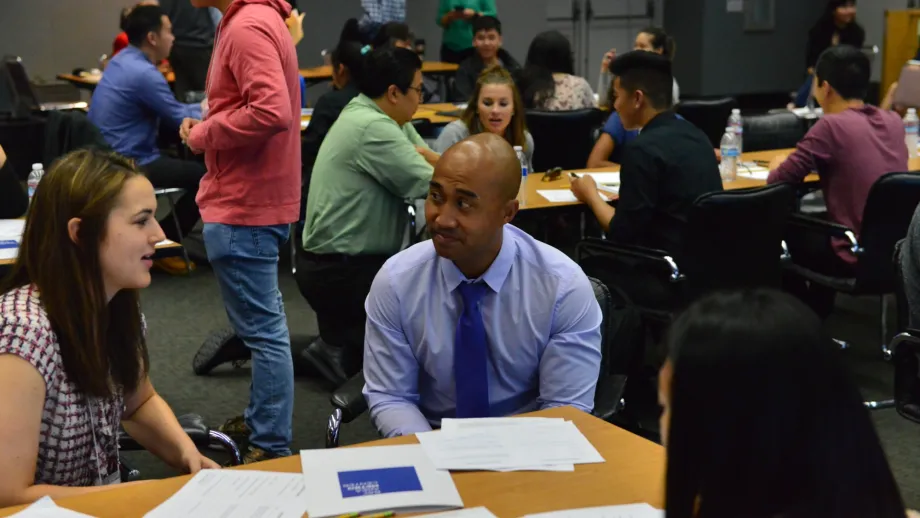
{"x":366,"y":170}
{"x":455,"y":17}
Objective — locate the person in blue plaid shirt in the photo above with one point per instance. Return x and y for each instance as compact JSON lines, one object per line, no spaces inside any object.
{"x":379,"y":12}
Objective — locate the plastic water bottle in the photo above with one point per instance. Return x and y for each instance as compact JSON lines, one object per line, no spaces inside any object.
{"x":736,"y":123}
{"x":34,"y":177}
{"x":911,"y":125}
{"x":730,"y":155}
{"x":522,"y":192}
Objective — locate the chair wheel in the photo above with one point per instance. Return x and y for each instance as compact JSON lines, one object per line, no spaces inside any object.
{"x":220,"y":347}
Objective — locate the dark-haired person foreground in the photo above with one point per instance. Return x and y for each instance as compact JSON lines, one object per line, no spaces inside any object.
{"x":131,"y":103}
{"x":850,"y":147}
{"x":356,"y":216}
{"x":548,"y":80}
{"x":487,"y":42}
{"x":482,"y":320}
{"x":346,"y":60}
{"x":495,"y":107}
{"x":762,"y":420}
{"x":73,"y":352}
{"x":248,"y":199}
{"x":663,"y":171}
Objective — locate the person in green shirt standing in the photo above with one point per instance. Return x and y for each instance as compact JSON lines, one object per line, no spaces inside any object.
{"x":455,"y":17}
{"x":368,"y":167}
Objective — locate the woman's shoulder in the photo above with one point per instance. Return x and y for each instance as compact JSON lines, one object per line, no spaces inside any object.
{"x":23,"y":304}
{"x":26,"y":331}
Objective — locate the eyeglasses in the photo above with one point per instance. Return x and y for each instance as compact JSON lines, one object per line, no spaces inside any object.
{"x":417,"y":89}
{"x":552,"y":175}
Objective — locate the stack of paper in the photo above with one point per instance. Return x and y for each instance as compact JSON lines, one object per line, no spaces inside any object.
{"x":611,"y":511}
{"x":373,"y":479}
{"x":565,"y":195}
{"x":46,"y":508}
{"x":608,"y":178}
{"x":508,"y":444}
{"x":10,"y":237}
{"x":752,"y":170}
{"x":214,"y":493}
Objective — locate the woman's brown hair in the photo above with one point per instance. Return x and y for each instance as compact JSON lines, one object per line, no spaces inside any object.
{"x":102,"y":342}
{"x":515,"y":134}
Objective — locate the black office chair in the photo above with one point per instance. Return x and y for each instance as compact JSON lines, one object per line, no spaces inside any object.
{"x":773,"y":131}
{"x":709,"y":115}
{"x":204,"y":438}
{"x":424,"y":127}
{"x":563,"y":139}
{"x":733,"y":239}
{"x":348,"y":401}
{"x":905,"y":348}
{"x":889,"y":209}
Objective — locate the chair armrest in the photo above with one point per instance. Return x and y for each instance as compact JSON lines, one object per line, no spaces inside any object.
{"x":656,"y":258}
{"x":350,"y":398}
{"x":811,"y":224}
{"x":607,"y":396}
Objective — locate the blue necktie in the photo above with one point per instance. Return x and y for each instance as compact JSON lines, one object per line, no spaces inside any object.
{"x":471,"y":355}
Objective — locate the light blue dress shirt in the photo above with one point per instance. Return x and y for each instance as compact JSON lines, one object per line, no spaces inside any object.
{"x":129,"y":103}
{"x":542,"y":324}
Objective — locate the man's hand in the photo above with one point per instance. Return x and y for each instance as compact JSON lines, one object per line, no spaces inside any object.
{"x":609,"y":56}
{"x":2,"y":157}
{"x":185,"y":129}
{"x":584,"y":188}
{"x":430,"y":156}
{"x":295,"y":25}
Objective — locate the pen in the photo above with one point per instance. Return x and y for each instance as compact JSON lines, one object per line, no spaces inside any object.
{"x":762,"y":163}
{"x":387,"y":514}
{"x":349,"y":515}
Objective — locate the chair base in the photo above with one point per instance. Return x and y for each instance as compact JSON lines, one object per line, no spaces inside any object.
{"x":879,"y":405}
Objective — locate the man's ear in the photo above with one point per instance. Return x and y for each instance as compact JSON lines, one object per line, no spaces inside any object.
{"x":511,"y":210}
{"x":73,"y":230}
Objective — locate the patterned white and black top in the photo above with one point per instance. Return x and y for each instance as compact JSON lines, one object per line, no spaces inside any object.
{"x":78,"y":438}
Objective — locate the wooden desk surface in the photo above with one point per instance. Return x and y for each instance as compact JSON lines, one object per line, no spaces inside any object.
{"x":171,"y":244}
{"x":535,"y":183}
{"x":428,"y":67}
{"x":633,"y":473}
{"x":425,"y":111}
{"x":92,"y":81}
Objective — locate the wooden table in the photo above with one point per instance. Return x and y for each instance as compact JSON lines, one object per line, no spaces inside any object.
{"x":324,"y":73}
{"x":167,"y":246}
{"x":425,"y":111}
{"x":633,"y":473}
{"x":90,"y":82}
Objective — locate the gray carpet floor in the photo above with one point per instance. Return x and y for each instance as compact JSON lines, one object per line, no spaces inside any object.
{"x":181,"y":311}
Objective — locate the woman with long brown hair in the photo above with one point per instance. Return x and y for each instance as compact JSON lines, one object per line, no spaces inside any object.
{"x":495,"y":107}
{"x":73,"y":355}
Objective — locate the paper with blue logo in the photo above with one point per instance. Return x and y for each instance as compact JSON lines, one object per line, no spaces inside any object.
{"x":374,"y":479}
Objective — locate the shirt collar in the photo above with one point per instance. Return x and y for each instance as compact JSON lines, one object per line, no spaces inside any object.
{"x":496,"y":274}
{"x":661,"y":118}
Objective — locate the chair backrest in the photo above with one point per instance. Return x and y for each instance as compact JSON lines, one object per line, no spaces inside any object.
{"x":734,"y":239}
{"x":710,"y":115}
{"x":772,"y":131}
{"x":603,"y":300}
{"x":562,"y":139}
{"x":889,"y":209}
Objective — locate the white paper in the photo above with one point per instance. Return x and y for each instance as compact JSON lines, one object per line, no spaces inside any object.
{"x":566,"y":195}
{"x":449,"y":425}
{"x":734,"y":6}
{"x":537,"y":446}
{"x":46,"y":508}
{"x":306,"y":112}
{"x":334,"y":483}
{"x":12,"y":229}
{"x":752,"y":170}
{"x":603,"y":178}
{"x":611,"y":511}
{"x":475,"y":512}
{"x":214,"y":493}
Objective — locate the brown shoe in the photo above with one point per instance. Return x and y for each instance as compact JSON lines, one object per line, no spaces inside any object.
{"x":257,"y":455}
{"x":174,"y":265}
{"x":236,"y":429}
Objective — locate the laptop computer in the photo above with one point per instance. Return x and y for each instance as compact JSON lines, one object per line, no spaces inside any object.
{"x":26,"y":96}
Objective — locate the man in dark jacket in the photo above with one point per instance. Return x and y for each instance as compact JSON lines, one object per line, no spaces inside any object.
{"x":194,"y":30}
{"x":487,"y":41}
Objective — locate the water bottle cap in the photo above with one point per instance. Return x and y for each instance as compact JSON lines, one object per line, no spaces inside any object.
{"x":37,"y":167}
{"x":736,"y":111}
{"x":912,"y":111}
{"x":519,"y":148}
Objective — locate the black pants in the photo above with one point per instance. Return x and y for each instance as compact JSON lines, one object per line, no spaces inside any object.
{"x":449,"y":55}
{"x":190,"y":64}
{"x":816,"y":253}
{"x":167,"y":172}
{"x":335,"y":287}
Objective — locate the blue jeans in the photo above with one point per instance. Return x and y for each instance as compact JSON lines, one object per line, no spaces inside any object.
{"x":804,"y":92}
{"x":245,"y":260}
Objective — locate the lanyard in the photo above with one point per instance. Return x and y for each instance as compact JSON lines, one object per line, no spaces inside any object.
{"x":106,"y":455}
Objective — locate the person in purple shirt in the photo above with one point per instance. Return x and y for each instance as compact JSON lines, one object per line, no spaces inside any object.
{"x":130,"y":104}
{"x":850,"y":148}
{"x":482,"y":320}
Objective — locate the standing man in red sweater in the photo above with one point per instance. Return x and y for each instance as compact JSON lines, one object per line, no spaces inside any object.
{"x":251,"y":192}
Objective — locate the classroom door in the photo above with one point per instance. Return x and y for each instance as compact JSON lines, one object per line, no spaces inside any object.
{"x":596,"y":26}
